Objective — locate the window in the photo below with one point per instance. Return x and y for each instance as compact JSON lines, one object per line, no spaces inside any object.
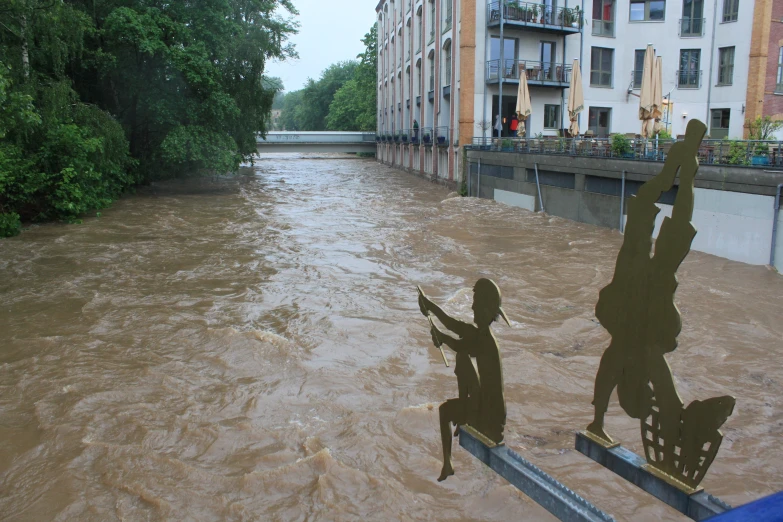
{"x":447,"y":15}
{"x":551,"y":116}
{"x":689,"y":75}
{"x":603,"y":17}
{"x":725,"y":65}
{"x":548,"y":66}
{"x":719,"y":126}
{"x":418,"y":30}
{"x":647,"y":10}
{"x":779,"y":81}
{"x":432,"y":22}
{"x":730,"y":10}
{"x":447,"y":64}
{"x":509,"y":50}
{"x":598,"y":121}
{"x":432,"y":72}
{"x":638,"y":68}
{"x":692,"y":23}
{"x":601,"y":67}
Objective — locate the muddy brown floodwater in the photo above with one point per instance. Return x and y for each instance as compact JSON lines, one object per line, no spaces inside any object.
{"x":251,"y":348}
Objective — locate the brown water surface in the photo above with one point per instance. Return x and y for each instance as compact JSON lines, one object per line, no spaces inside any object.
{"x":251,"y":349}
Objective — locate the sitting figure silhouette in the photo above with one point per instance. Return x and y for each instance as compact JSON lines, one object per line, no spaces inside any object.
{"x":480,"y":403}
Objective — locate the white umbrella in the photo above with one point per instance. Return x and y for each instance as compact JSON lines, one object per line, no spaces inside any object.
{"x":523,"y":96}
{"x":646,"y":94}
{"x":576,"y":98}
{"x":657,"y":94}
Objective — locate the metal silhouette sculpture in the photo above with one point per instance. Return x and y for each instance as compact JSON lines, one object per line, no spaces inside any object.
{"x":637,"y":308}
{"x":480,"y":404}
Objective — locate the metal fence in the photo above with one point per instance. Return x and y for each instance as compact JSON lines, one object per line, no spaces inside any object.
{"x":747,"y":153}
{"x":535,"y":70}
{"x":535,"y":13}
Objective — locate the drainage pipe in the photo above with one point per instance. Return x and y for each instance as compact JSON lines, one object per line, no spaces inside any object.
{"x":622,"y":203}
{"x":538,"y":186}
{"x":775,"y":225}
{"x":712,"y":59}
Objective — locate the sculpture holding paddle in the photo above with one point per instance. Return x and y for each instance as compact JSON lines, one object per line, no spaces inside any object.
{"x":480,"y":403}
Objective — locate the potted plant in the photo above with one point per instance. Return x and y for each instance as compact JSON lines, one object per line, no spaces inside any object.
{"x":405,"y":137}
{"x":760,"y":154}
{"x":441,"y":140}
{"x":427,"y":137}
{"x":534,"y":13}
{"x":621,"y":146}
{"x":507,"y":145}
{"x":377,"y":138}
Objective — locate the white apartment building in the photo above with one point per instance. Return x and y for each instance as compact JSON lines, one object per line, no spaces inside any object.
{"x":442,"y":64}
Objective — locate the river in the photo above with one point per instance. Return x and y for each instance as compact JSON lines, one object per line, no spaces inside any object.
{"x":250,"y":348}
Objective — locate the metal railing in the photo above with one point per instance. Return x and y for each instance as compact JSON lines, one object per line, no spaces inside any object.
{"x":533,"y":13}
{"x":687,"y":79}
{"x":535,"y":71}
{"x":603,"y":28}
{"x":739,"y":153}
{"x":426,"y":135}
{"x":442,"y":136}
{"x":692,"y":27}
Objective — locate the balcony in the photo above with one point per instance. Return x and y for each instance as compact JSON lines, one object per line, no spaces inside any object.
{"x":426,"y":135}
{"x":687,"y":79}
{"x":418,"y":101}
{"x":692,"y":27}
{"x":535,"y":16}
{"x":603,"y":28}
{"x":546,"y":74}
{"x":442,"y":136}
{"x":447,"y":24}
{"x":447,"y":91}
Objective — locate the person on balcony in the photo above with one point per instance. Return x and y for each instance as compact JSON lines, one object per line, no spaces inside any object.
{"x":415,"y":130}
{"x":514,"y":125}
{"x":498,"y":126}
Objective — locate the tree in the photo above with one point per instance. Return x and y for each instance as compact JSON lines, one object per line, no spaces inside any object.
{"x":354,"y":104}
{"x":763,"y":128}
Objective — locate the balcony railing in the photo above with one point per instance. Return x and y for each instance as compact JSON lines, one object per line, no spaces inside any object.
{"x":536,"y":72}
{"x":692,"y":27}
{"x":742,"y":153}
{"x":426,"y":135}
{"x":603,"y":28}
{"x":536,"y":14}
{"x":687,"y":79}
{"x":442,"y":136}
{"x":636,"y":78}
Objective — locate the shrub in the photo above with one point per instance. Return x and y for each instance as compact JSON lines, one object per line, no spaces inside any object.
{"x":738,"y":153}
{"x":10,"y":225}
{"x":620,"y":145}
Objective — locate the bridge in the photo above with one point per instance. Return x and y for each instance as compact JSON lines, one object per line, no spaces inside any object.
{"x":327,"y":141}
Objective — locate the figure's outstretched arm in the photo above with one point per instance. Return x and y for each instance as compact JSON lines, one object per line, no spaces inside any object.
{"x":458,"y":345}
{"x":460,"y":328}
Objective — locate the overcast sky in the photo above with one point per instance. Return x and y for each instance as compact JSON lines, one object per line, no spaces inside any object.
{"x":330,"y":31}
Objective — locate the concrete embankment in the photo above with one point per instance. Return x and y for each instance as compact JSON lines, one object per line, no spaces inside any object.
{"x":733,"y":209}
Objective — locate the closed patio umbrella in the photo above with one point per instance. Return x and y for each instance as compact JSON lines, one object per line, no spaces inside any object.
{"x":657,"y":94}
{"x":576,"y":98}
{"x":646,"y":94}
{"x":523,"y":96}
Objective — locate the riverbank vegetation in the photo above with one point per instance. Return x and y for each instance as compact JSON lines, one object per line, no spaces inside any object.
{"x":98,"y":96}
{"x":342,"y":99}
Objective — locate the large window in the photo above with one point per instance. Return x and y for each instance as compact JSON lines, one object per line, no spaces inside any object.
{"x":725,"y":65}
{"x":418,"y":32}
{"x":432,"y":71}
{"x":730,"y":10}
{"x":603,"y":17}
{"x":647,"y":10}
{"x":509,"y":53}
{"x":692,"y":23}
{"x":719,"y":126}
{"x":779,"y":82}
{"x":551,"y":116}
{"x":689,"y":75}
{"x":601,"y":67}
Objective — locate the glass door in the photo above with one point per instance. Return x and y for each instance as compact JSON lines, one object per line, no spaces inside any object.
{"x":547,"y":57}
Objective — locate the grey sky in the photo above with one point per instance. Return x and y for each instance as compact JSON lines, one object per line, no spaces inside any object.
{"x":329,"y":32}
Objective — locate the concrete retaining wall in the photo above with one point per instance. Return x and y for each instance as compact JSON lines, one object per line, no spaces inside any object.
{"x":733,"y":206}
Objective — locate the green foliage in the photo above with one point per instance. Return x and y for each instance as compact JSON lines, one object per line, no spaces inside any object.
{"x":97,"y":96}
{"x":664,"y":134}
{"x":344,"y":98}
{"x":737,"y":152}
{"x":763,"y":128}
{"x":620,"y":145}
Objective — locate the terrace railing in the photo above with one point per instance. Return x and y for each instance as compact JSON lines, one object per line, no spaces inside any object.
{"x":692,"y":27}
{"x":535,"y":13}
{"x":688,"y":79}
{"x":739,"y":153}
{"x":535,"y":71}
